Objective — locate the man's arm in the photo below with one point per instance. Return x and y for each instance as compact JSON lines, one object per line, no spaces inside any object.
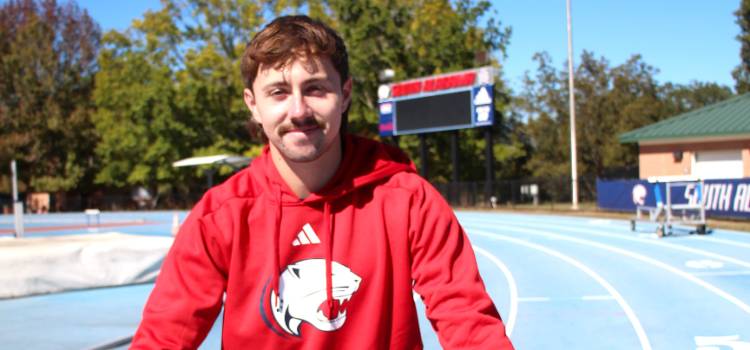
{"x":188,"y":293}
{"x":445,"y":272}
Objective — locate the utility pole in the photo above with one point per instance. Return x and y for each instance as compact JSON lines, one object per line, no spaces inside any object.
{"x":571,"y":88}
{"x":17,"y":205}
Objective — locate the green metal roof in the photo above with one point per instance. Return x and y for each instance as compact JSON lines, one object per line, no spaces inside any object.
{"x":726,"y":118}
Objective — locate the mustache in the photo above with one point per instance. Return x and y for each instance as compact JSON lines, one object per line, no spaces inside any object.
{"x":301,"y":123}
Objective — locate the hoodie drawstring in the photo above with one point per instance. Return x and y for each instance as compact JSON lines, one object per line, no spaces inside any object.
{"x":276,"y":262}
{"x":329,"y":223}
{"x":328,"y":218}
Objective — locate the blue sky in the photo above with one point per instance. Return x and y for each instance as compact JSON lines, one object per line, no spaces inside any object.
{"x":687,"y":40}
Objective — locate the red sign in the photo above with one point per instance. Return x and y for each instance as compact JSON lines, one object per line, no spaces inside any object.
{"x":433,"y":84}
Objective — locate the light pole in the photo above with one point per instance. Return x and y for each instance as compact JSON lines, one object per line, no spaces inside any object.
{"x":572,"y":100}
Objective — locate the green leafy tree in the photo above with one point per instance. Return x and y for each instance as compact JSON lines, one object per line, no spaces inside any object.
{"x":741,"y":73}
{"x":609,"y":101}
{"x":169,"y":88}
{"x":136,"y":116}
{"x":47,"y":65}
{"x":683,"y":98}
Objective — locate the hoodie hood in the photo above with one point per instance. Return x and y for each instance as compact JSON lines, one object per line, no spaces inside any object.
{"x":363,"y":162}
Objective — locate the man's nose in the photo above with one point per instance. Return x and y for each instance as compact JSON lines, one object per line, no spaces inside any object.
{"x":299,"y":108}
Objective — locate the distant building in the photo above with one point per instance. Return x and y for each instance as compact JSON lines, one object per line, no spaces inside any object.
{"x":712,"y":142}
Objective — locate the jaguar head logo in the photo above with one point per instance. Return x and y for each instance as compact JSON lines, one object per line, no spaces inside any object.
{"x":302,"y":296}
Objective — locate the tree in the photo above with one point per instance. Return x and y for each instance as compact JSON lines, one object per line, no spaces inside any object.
{"x":741,"y":73}
{"x":683,"y":98}
{"x":169,"y":88}
{"x":47,"y":65}
{"x":609,"y":101}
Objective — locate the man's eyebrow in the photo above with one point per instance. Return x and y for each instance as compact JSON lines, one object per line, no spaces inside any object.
{"x":316,"y":80}
{"x":274,"y":84}
{"x":284,"y":83}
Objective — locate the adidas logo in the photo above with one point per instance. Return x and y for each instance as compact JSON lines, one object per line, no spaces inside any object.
{"x":306,"y":236}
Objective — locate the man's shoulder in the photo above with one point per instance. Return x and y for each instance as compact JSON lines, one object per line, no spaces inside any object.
{"x":239,"y":188}
{"x":406,"y":181}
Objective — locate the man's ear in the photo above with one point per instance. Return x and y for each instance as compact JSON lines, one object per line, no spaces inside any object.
{"x":346,"y":92}
{"x":249,"y":98}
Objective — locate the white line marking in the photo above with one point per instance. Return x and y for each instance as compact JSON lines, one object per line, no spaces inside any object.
{"x":534,"y":299}
{"x":704,"y":264}
{"x":731,"y":341}
{"x":728,"y":297}
{"x":513,"y":312}
{"x":597,"y":297}
{"x":722,"y":241}
{"x":660,"y":243}
{"x":640,"y":333}
{"x":722,"y":273}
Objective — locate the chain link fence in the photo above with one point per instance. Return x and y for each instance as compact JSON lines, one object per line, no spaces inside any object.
{"x":549,"y":191}
{"x":507,"y":193}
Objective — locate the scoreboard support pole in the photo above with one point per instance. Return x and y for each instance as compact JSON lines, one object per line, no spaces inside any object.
{"x":489,"y":158}
{"x":454,"y":155}
{"x":423,"y":156}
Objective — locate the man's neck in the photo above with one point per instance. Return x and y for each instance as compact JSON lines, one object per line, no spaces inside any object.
{"x":304,"y":178}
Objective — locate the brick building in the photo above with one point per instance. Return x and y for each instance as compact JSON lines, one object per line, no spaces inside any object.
{"x":712,"y":142}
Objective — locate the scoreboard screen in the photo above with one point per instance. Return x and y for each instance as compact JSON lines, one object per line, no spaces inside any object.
{"x":452,"y":110}
{"x":438,"y":103}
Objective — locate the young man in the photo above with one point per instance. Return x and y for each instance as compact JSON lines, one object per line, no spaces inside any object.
{"x":320,"y":242}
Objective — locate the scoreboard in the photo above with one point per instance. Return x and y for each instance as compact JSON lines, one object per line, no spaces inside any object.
{"x":443,"y":102}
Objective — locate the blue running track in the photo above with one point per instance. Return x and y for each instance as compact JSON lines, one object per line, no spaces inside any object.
{"x":559,"y":283}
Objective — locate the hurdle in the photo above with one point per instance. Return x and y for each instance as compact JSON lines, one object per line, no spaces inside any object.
{"x":668,"y":213}
{"x":92,"y":214}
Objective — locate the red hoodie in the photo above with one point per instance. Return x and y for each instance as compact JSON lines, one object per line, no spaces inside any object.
{"x":345,"y":261}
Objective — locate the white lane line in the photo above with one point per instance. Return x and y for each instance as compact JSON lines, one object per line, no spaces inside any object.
{"x":548,"y":299}
{"x":512,"y":286}
{"x":640,"y":333}
{"x":722,"y":273}
{"x":722,"y":241}
{"x":660,"y":243}
{"x":726,"y":296}
{"x":597,"y":297}
{"x":534,"y":299}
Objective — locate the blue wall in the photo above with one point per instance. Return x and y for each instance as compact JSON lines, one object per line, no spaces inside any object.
{"x":722,"y":198}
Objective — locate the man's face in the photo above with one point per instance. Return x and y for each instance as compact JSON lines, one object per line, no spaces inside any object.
{"x":299,"y":106}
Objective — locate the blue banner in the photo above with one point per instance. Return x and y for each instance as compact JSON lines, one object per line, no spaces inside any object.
{"x":722,"y":198}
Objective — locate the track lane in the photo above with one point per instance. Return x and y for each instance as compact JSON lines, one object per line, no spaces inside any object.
{"x":671,"y":303}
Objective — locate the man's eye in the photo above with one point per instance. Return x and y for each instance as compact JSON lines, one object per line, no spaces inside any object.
{"x":276,"y":92}
{"x":315,"y":89}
